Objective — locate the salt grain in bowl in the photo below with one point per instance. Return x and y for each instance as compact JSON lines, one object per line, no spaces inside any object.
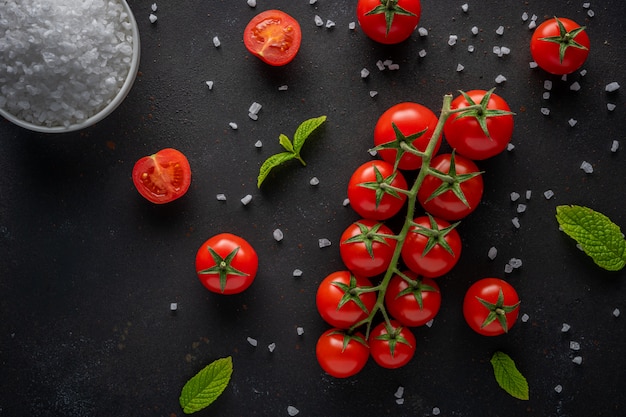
{"x":66,"y":64}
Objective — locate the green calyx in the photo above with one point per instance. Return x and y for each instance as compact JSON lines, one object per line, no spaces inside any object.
{"x":401,"y":144}
{"x":348,"y":337}
{"x":393,"y":336}
{"x":222,"y":267}
{"x":482,"y":113}
{"x":565,"y":39}
{"x":390,"y":9}
{"x":451,"y":181}
{"x":382,"y":185}
{"x":435,"y":235}
{"x":416,"y":288}
{"x":497,"y":311}
{"x":350,"y":293}
{"x":368,"y":236}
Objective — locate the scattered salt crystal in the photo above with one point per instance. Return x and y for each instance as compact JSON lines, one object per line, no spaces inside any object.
{"x":246,"y":200}
{"x":300,"y":331}
{"x":394,"y":67}
{"x":500,"y":79}
{"x":314,"y":181}
{"x":583,"y":72}
{"x":572,"y":122}
{"x":173,"y":306}
{"x":614,"y":146}
{"x":422,"y":31}
{"x":372,"y":151}
{"x":546,"y":95}
{"x":254,"y":108}
{"x":565,"y":328}
{"x":399,"y":392}
{"x":545,"y":111}
{"x":610,"y":106}
{"x":221,"y":197}
{"x":548,"y":194}
{"x":613,"y":86}
{"x":252,"y":3}
{"x":258,"y":144}
{"x":459,"y":67}
{"x":575,"y":86}
{"x":521,"y":208}
{"x":504,"y":50}
{"x":436,"y":411}
{"x":547,"y":84}
{"x":470,"y":48}
{"x":422,"y":53}
{"x":514,"y":196}
{"x":532,"y":64}
{"x":292,"y":411}
{"x":364,"y":73}
{"x":515,"y":263}
{"x":591,"y":13}
{"x":283,"y":87}
{"x":271,"y":347}
{"x":515,"y":222}
{"x":465,"y":7}
{"x":373,"y":93}
{"x":323,"y":243}
{"x":387,"y":62}
{"x":587,"y":167}
{"x":297,"y":273}
{"x":318,"y":21}
{"x":493,"y":252}
{"x":152,"y":18}
{"x":534,"y":18}
{"x":312,"y":2}
{"x":330,"y":24}
{"x":558,"y":389}
{"x":252,"y":341}
{"x":500,"y":30}
{"x":209,"y":84}
{"x":352,"y":25}
{"x":216,"y":42}
{"x":278,"y":235}
{"x":153,"y":7}
{"x":430,"y":322}
{"x":346,"y":202}
{"x":525,"y":317}
{"x":253,"y":116}
{"x":510,"y":146}
{"x":529,"y":194}
{"x":452,"y":40}
{"x":508,"y":269}
{"x":532,"y":24}
{"x":586,"y":5}
{"x":578,"y":360}
{"x":399,"y":401}
{"x":233,"y":125}
{"x":524,"y":16}
{"x":474,"y":30}
{"x":616,"y":312}
{"x":564,"y":77}
{"x":574,"y":345}
{"x":380,"y":65}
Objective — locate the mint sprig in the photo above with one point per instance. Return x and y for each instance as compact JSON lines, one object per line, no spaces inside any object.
{"x":508,"y":376}
{"x":206,"y":386}
{"x":596,"y":234}
{"x":292,"y":148}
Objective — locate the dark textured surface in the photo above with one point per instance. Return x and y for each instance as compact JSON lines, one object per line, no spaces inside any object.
{"x":88,"y":269}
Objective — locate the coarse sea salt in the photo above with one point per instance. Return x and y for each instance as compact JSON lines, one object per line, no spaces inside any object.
{"x":278,"y":235}
{"x":297,"y":273}
{"x":299,"y":331}
{"x":492,"y":253}
{"x":292,"y":411}
{"x":221,"y":197}
{"x":399,"y":392}
{"x":614,"y":146}
{"x":62,"y":62}
{"x":246,"y":200}
{"x":323,"y":243}
{"x":612,"y":86}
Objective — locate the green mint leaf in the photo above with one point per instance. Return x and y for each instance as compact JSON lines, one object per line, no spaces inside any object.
{"x":285,"y":143}
{"x":304,"y":131}
{"x":596,"y":234}
{"x":270,"y":163}
{"x":206,"y":386}
{"x":508,"y":376}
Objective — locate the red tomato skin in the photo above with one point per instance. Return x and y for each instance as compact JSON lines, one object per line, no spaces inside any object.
{"x":467,"y":137}
{"x":410,"y":118}
{"x":246,"y":261}
{"x":380,"y":351}
{"x":475,"y":313}
{"x":363,"y":200}
{"x":273,"y":23}
{"x":375,"y":27}
{"x":162,"y":177}
{"x":329,"y":295}
{"x":546,"y":54}
{"x":447,"y":206}
{"x":355,"y":255}
{"x":405,"y":308}
{"x":337,"y":361}
{"x":437,"y":261}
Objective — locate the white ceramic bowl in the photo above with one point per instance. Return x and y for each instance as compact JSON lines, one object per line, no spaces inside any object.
{"x":108,"y":109}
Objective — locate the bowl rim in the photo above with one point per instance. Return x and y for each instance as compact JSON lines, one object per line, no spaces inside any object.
{"x":109,"y":108}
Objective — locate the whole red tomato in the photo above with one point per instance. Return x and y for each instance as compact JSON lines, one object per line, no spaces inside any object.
{"x":405,"y":125}
{"x":273,"y":36}
{"x":415,"y":302}
{"x":226,"y":264}
{"x":341,"y":354}
{"x":559,"y":45}
{"x":454,"y":199}
{"x":372,"y":190}
{"x":366,"y":247}
{"x":391,"y":346}
{"x":432,"y":247}
{"x":388,"y":21}
{"x":163,"y":176}
{"x":482,"y":133}
{"x":339,"y":302}
{"x":491,"y":306}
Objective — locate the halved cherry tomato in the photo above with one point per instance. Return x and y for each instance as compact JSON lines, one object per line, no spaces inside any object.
{"x":341,"y":354}
{"x":491,"y":306}
{"x":559,"y":45}
{"x":273,"y":36}
{"x":163,"y":176}
{"x":226,"y":264}
{"x":388,"y":21}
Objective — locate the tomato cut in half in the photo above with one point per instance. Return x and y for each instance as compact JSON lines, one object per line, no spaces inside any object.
{"x":273,"y":36}
{"x":163,"y":176}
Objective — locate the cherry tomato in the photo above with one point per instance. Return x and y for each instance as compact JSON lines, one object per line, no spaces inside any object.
{"x":559,"y":45}
{"x":388,"y":21}
{"x":405,"y":124}
{"x":432,"y":247}
{"x":273,"y":36}
{"x":366,"y":248}
{"x":455,"y":199}
{"x":226,"y":264}
{"x":163,"y":176}
{"x":337,"y":300}
{"x":412,"y":303}
{"x":479,"y":134}
{"x":491,"y":306}
{"x":391,"y":346}
{"x":369,"y":192}
{"x":341,"y":354}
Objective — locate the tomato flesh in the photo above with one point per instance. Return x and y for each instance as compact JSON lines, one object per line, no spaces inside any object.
{"x":163,"y":176}
{"x":273,"y":36}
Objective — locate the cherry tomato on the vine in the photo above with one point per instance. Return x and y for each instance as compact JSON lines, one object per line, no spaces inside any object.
{"x":388,"y":21}
{"x":163,"y":176}
{"x":405,"y":125}
{"x":340,"y":300}
{"x":559,"y":45}
{"x":341,"y":354}
{"x":366,"y":247}
{"x":391,"y":346}
{"x":481,"y":133}
{"x":491,"y":306}
{"x":226,"y":264}
{"x":273,"y":36}
{"x":432,"y":247}
{"x":457,"y":197}
{"x":412,"y":303}
{"x":373,"y":190}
